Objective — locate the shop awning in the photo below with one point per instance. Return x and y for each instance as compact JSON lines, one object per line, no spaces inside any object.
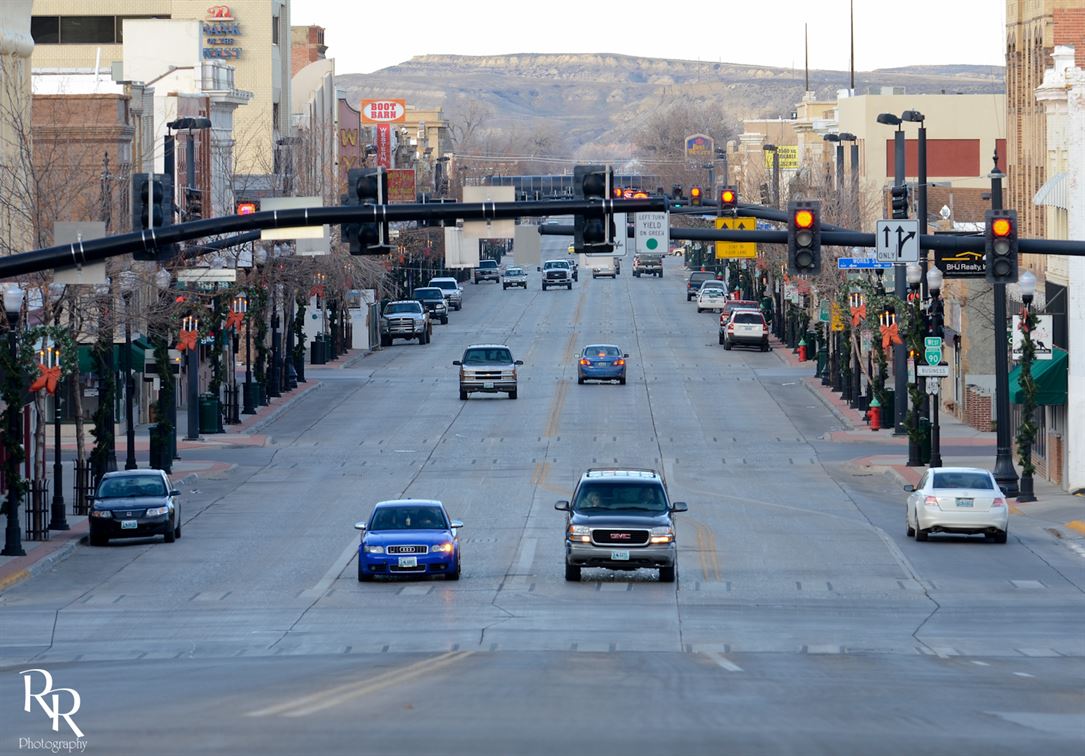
{"x":86,"y":356}
{"x":1055,"y":192}
{"x":1050,"y":378}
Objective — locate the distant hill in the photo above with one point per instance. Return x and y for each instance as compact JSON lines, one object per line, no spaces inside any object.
{"x":597,"y":98}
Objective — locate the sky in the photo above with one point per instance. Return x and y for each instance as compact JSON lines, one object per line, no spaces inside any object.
{"x":888,"y":34}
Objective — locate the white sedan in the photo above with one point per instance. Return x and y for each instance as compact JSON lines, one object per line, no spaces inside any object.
{"x":957,"y":500}
{"x":711,"y":299}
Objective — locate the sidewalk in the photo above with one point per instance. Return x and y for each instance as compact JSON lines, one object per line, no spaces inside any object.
{"x":962,"y":446}
{"x":43,"y":555}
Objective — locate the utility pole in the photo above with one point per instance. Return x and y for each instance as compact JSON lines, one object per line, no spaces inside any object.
{"x":1004,"y":472}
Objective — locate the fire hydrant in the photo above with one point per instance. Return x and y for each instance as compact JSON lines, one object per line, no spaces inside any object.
{"x":802,"y":350}
{"x":875,"y":414}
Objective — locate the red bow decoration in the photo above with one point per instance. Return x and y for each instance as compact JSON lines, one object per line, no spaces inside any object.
{"x":317,"y":290}
{"x":187,"y":340}
{"x":857,"y":314}
{"x":234,"y":320}
{"x":890,"y":335}
{"x":47,"y":379}
{"x":1024,"y":320}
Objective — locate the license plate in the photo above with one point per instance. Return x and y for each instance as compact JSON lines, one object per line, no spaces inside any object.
{"x":129,"y":524}
{"x":488,"y":384}
{"x":964,"y":502}
{"x":598,"y":364}
{"x":408,"y":561}
{"x":619,"y":556}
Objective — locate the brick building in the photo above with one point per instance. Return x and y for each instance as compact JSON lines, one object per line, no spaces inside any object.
{"x":306,"y":46}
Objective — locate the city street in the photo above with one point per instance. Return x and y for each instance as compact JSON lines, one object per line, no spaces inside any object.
{"x":803,"y":619}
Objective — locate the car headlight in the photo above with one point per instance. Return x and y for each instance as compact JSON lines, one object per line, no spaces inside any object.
{"x":105,"y":514}
{"x":662,"y":535}
{"x":442,"y":548}
{"x":374,"y":549}
{"x":156,"y":511}
{"x":579,"y":533}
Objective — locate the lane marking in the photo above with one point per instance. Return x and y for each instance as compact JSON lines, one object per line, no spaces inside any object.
{"x":527,"y":556}
{"x":555,"y":411}
{"x":338,"y":694}
{"x":1077,"y":525}
{"x":333,"y":572}
{"x":1023,"y":674}
{"x":722,"y":661}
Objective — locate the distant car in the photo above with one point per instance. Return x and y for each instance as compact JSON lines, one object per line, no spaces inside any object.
{"x":433,"y":299}
{"x":957,"y":500}
{"x":405,"y":319}
{"x":452,"y":289}
{"x":601,"y":362}
{"x":487,"y":368}
{"x":514,"y":277}
{"x":409,"y":537}
{"x":487,"y":270}
{"x":713,"y":283}
{"x":696,"y":278}
{"x":711,"y":299}
{"x":745,"y":328}
{"x":135,"y":504}
{"x":738,"y":304}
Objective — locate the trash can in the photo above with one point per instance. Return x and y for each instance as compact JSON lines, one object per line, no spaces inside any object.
{"x":316,"y":350}
{"x":924,"y":440}
{"x":210,"y":414}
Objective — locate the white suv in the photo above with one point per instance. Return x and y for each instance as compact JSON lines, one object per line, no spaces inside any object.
{"x":452,"y":289}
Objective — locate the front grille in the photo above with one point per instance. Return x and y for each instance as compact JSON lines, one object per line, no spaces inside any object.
{"x":555,"y":274}
{"x":408,"y":549}
{"x":401,"y":325}
{"x":129,"y":514}
{"x":488,"y":375}
{"x":619,"y":536}
{"x":397,"y":568}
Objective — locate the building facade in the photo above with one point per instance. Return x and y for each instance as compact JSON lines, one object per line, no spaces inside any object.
{"x":16,"y":47}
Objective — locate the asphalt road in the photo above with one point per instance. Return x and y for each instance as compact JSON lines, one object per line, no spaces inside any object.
{"x":803,"y":620}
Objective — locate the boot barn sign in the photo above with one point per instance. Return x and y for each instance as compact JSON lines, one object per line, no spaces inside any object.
{"x":221,"y":34}
{"x":382,"y":114}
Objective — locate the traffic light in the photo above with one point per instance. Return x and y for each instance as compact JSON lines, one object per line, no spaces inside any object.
{"x":728,"y":197}
{"x":595,"y":232}
{"x":1000,"y":242}
{"x":766,"y":195}
{"x":152,"y":207}
{"x":695,"y":196}
{"x":193,"y":204}
{"x":900,"y":202}
{"x":804,"y":238}
{"x":367,"y":186}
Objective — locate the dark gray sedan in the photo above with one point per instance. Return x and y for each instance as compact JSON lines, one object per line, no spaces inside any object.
{"x":135,"y":504}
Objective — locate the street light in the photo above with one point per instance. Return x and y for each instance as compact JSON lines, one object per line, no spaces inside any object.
{"x":1027,"y":282}
{"x":900,"y":383}
{"x":191,"y":324}
{"x":128,"y":286}
{"x":58,"y":519}
{"x":241,"y":305}
{"x":934,"y":286}
{"x":914,"y":276}
{"x":13,"y":541}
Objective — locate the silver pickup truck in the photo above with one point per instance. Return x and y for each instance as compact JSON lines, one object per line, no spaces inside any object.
{"x":405,"y":319}
{"x":648,"y":263}
{"x":556,"y":273}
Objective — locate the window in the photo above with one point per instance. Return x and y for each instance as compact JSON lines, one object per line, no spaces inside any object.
{"x":962,"y":480}
{"x":646,"y":497}
{"x":409,"y":518}
{"x":45,"y":29}
{"x":274,"y":30}
{"x":483,"y":356}
{"x":79,"y":30}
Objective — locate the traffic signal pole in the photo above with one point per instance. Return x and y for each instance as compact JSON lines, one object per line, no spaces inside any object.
{"x":900,"y":289}
{"x":1004,"y":472}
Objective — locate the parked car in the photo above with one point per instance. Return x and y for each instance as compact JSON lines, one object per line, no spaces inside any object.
{"x":409,"y":537}
{"x":957,"y":500}
{"x":487,"y":368}
{"x":696,"y":278}
{"x":405,"y":319}
{"x":738,"y":304}
{"x":711,"y":298}
{"x":452,"y":289}
{"x":745,"y":328}
{"x":514,"y":277}
{"x":556,"y":273}
{"x":620,"y":519}
{"x":433,"y":299}
{"x":487,"y":270}
{"x":713,"y":283}
{"x":601,"y":362}
{"x":135,"y":504}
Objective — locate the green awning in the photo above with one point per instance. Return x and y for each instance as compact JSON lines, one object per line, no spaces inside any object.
{"x":1049,"y":376}
{"x":86,"y":356}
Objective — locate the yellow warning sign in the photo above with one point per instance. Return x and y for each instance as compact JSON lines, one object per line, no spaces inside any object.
{"x":836,"y":317}
{"x":735,"y":250}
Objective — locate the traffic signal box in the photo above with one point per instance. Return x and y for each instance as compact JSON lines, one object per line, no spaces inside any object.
{"x":899,"y":196}
{"x":593,"y":232}
{"x":152,"y":207}
{"x":367,"y":186}
{"x":728,"y":201}
{"x":695,"y":196}
{"x":804,"y":238}
{"x":1000,"y":243}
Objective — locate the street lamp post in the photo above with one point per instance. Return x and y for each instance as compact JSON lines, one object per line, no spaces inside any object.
{"x":914,"y":275}
{"x":192,"y":324}
{"x":58,"y":519}
{"x":934,"y":286}
{"x":128,"y":285}
{"x":775,"y":172}
{"x":900,"y":358}
{"x":1004,"y":472}
{"x":835,"y":138}
{"x":1027,"y":282}
{"x":13,"y":537}
{"x":241,"y":304}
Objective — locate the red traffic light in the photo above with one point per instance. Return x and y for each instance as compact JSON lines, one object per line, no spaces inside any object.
{"x":804,"y":219}
{"x":1001,"y":227}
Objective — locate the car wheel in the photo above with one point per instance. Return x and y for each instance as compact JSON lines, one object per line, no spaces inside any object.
{"x":463,"y":395}
{"x":177,"y":530}
{"x":637,"y":275}
{"x":764,"y":347}
{"x":621,"y":381}
{"x":170,"y":535}
{"x":444,"y":320}
{"x":911,"y":530}
{"x":572,"y":573}
{"x":364,"y":577}
{"x":459,"y":307}
{"x":659,"y":274}
{"x":503,"y":286}
{"x":569,"y":286}
{"x":454,"y":574}
{"x":512,"y":394}
{"x":700,"y":310}
{"x":544,"y":287}
{"x":920,"y":534}
{"x":1001,"y":536}
{"x":721,"y":339}
{"x":666,"y":574}
{"x":727,"y":345}
{"x":97,"y":539}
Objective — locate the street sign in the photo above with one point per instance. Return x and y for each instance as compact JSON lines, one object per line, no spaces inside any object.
{"x":958,"y":264}
{"x":747,"y":250}
{"x":911,"y":370}
{"x":823,"y":311}
{"x":1041,"y":338}
{"x":861,"y":263}
{"x":621,"y":237}
{"x":933,"y":386}
{"x":897,"y":240}
{"x":932,"y":349}
{"x":836,"y":318}
{"x":932,"y":371}
{"x":653,"y":233}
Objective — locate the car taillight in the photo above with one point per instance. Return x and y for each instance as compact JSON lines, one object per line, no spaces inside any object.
{"x":730,"y":327}
{"x":584,"y":361}
{"x":619,"y":363}
{"x":931,"y":501}
{"x":998,"y":502}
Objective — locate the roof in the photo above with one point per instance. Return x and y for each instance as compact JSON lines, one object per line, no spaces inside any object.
{"x":960,"y":469}
{"x":407,"y":502}
{"x":488,"y":346}
{"x":133,"y":473}
{"x":611,"y":473}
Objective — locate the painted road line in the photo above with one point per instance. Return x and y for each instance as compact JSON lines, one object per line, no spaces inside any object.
{"x":722,"y":661}
{"x":333,"y":572}
{"x":1077,"y":526}
{"x":340,"y":693}
{"x":555,"y":411}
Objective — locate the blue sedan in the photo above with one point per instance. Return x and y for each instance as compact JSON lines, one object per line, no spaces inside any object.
{"x":409,"y":537}
{"x":601,"y":362}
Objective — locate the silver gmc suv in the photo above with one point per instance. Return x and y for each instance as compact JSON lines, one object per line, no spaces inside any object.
{"x":406,"y":319}
{"x":620,"y":519}
{"x":488,"y":368}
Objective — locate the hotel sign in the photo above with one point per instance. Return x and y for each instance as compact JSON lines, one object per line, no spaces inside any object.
{"x":220,"y":34}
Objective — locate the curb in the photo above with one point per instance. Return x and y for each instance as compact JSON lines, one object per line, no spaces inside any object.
{"x":813,"y":384}
{"x":273,"y":413}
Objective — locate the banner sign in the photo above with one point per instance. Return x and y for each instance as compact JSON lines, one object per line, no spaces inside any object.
{"x":384,"y":111}
{"x":401,"y":185}
{"x":384,"y":145}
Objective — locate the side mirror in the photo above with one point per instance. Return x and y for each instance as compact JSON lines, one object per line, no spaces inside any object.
{"x":538,"y":268}
{"x":359,"y":525}
{"x":679,"y":506}
{"x":626,"y":356}
{"x":457,"y":524}
{"x":456,"y":362}
{"x":909,"y":488}
{"x":175,"y":492}
{"x":562,"y":505}
{"x":518,"y":362}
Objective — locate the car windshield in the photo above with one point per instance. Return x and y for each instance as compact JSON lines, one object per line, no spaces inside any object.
{"x":401,"y":307}
{"x":712,"y":284}
{"x":481,"y":356}
{"x":602,"y":351}
{"x":712,"y":291}
{"x":408,"y":518}
{"x":127,"y":488}
{"x":488,"y":264}
{"x":514,"y":272}
{"x":745,"y":316}
{"x":450,"y":284}
{"x":638,"y":497}
{"x":962,"y":480}
{"x":434,"y":293}
{"x":556,"y":264}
